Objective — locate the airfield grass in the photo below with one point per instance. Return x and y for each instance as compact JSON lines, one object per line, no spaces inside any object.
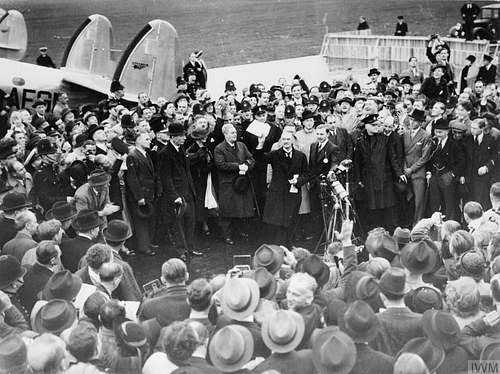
{"x":231,"y":32}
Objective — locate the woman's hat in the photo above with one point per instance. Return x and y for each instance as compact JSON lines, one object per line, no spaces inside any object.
{"x":10,"y":270}
{"x":284,"y":331}
{"x":55,"y":317}
{"x":231,"y":348}
{"x":198,"y":132}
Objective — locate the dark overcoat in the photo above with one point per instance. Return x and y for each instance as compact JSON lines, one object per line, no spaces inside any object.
{"x":227,"y":161}
{"x":282,"y":206}
{"x":375,"y":164}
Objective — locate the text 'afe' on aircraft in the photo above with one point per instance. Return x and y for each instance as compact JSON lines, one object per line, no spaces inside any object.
{"x":149,"y":64}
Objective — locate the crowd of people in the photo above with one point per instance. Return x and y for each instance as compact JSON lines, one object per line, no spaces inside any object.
{"x":84,"y":189}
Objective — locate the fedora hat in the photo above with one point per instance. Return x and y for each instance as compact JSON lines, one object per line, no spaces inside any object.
{"x":431,"y":353}
{"x":333,"y":309}
{"x":361,"y":286}
{"x":401,"y":236}
{"x":180,"y":209}
{"x":87,"y":219}
{"x":176,"y":129}
{"x":117,"y":231}
{"x":393,"y":281}
{"x":44,"y":147}
{"x":316,"y":268}
{"x":241,"y":184}
{"x":441,"y":328}
{"x":425,"y":298}
{"x":99,"y":177}
{"x":128,"y":332}
{"x":418,"y":115}
{"x":265,"y":280}
{"x":61,"y":285}
{"x":13,"y":201}
{"x":333,"y":351}
{"x":441,"y":124}
{"x":55,"y":317}
{"x":377,"y":266}
{"x":231,"y":348}
{"x":239,"y":297}
{"x":62,"y":211}
{"x":491,"y":352}
{"x":10,"y":270}
{"x":283,"y":331}
{"x":269,"y":256}
{"x":419,"y":257}
{"x":13,"y":355}
{"x":382,"y":245}
{"x":359,"y":322}
{"x":65,"y":111}
{"x":144,"y":211}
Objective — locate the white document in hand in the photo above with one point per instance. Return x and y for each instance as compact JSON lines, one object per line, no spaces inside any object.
{"x":258,"y":128}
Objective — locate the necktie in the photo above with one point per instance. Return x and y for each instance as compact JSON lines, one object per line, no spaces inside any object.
{"x":440,"y":145}
{"x":476,"y":141}
{"x":288,"y":154}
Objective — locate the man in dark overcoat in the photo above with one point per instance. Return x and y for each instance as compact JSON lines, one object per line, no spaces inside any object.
{"x":234,"y":162}
{"x":143,"y":189}
{"x":178,"y":187}
{"x":290,"y":172}
{"x":375,"y":165}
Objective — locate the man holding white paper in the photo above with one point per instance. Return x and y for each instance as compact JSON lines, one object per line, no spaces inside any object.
{"x":290,"y":172}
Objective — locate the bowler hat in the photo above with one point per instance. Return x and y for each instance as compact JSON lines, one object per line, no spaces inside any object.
{"x":290,"y":111}
{"x":432,"y":354}
{"x":316,"y":268}
{"x":333,"y":351}
{"x":128,"y":332}
{"x":373,"y":71}
{"x":230,"y":86}
{"x":418,"y":115}
{"x":265,"y":280}
{"x":62,"y":211}
{"x":55,"y":317}
{"x":176,"y":129}
{"x":359,"y":322}
{"x":393,"y":282}
{"x":346,"y":99}
{"x":426,"y":298}
{"x":441,"y":124}
{"x":283,"y":331}
{"x":307,"y":114}
{"x":231,"y":348}
{"x":99,"y":177}
{"x":116,"y":86}
{"x":419,"y":257}
{"x":401,"y":188}
{"x":278,"y":88}
{"x":491,"y":352}
{"x":441,"y":328}
{"x":126,"y":122}
{"x":117,"y":231}
{"x":324,"y":87}
{"x":241,"y":184}
{"x":401,"y":236}
{"x":44,"y":147}
{"x":10,"y":270}
{"x":39,"y":102}
{"x":382,"y":245}
{"x":144,"y":211}
{"x":61,"y":285}
{"x":407,"y":80}
{"x":119,"y":146}
{"x":13,"y":355}
{"x":268,"y":256}
{"x":86,"y":219}
{"x":93,"y":129}
{"x":239,"y":297}
{"x":180,"y":209}
{"x":13,"y":201}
